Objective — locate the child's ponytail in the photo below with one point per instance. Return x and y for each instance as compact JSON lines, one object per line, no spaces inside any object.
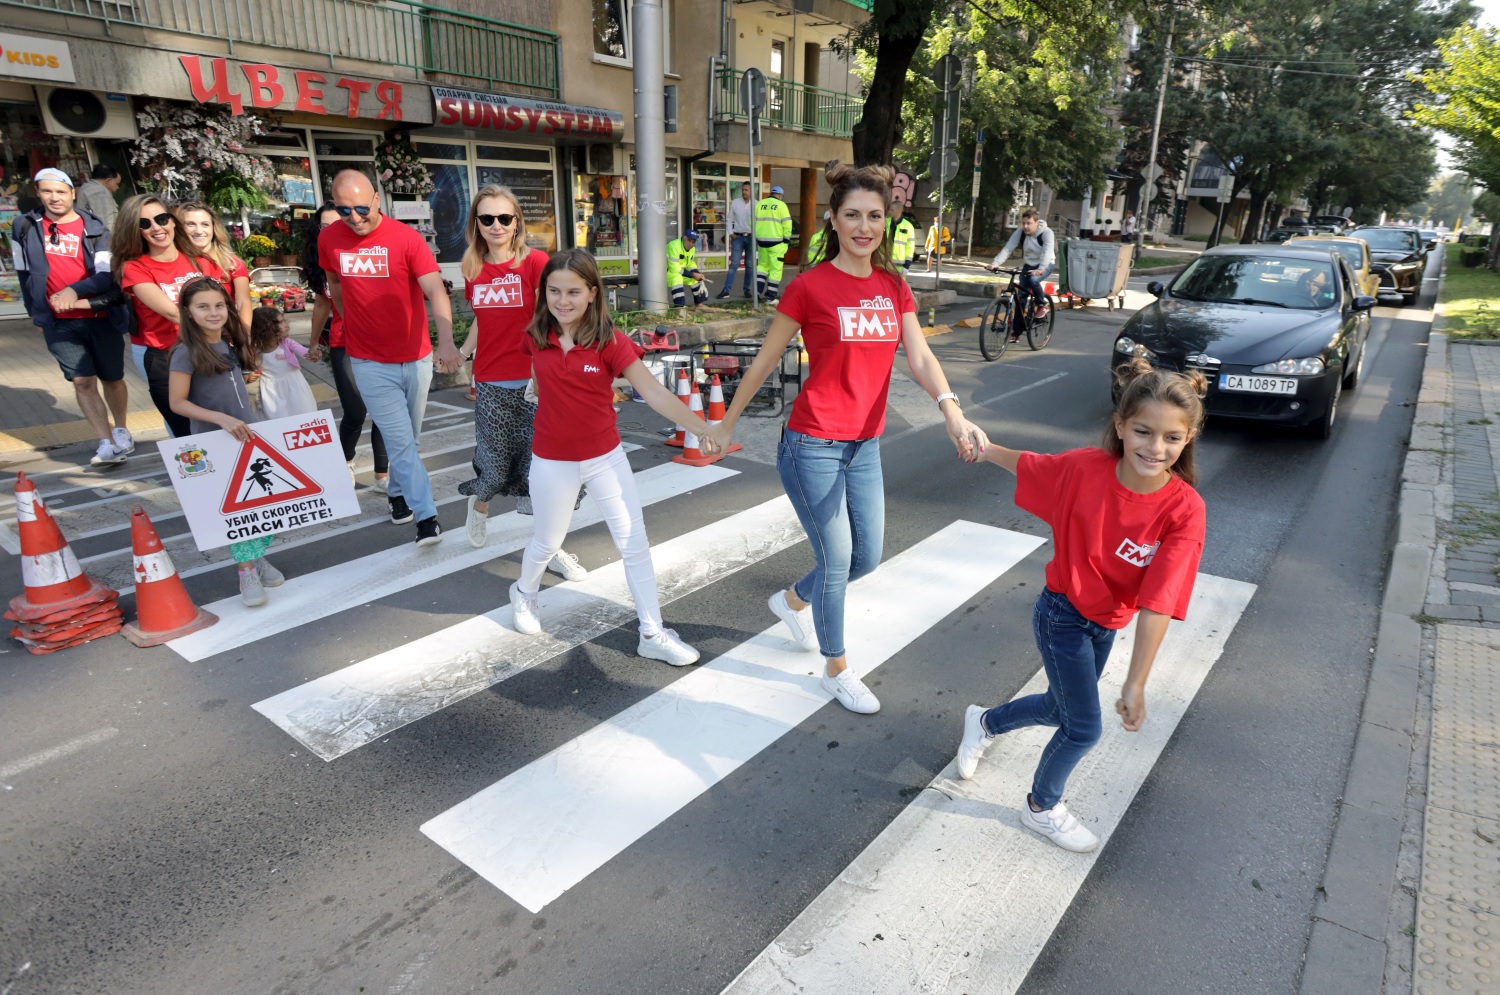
{"x":1138,"y":383}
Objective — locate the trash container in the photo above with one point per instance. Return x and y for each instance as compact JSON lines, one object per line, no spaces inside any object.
{"x":1098,"y":270}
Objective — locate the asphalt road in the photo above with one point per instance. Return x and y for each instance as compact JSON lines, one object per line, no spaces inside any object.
{"x":158,"y":835}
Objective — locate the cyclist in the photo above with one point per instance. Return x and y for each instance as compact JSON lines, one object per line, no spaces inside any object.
{"x":1038,"y":255}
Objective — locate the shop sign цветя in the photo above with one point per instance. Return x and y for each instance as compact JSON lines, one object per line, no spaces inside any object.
{"x":30,"y":57}
{"x":268,"y":87}
{"x":520,"y":116}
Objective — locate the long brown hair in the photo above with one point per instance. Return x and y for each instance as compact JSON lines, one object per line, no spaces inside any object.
{"x":596,"y":328}
{"x":206,"y":360}
{"x":1139,"y":383}
{"x":127,"y":241}
{"x":218,"y":249}
{"x":845,"y":180}
{"x":479,"y":249}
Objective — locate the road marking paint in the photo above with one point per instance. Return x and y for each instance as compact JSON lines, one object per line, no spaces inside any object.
{"x":67,"y":749}
{"x":549,"y":825}
{"x":355,"y":582}
{"x":963,"y":897}
{"x":340,"y":712}
{"x":1020,"y":390}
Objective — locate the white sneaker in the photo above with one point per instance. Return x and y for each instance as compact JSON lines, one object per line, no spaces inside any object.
{"x":1060,"y":826}
{"x":851,"y":692}
{"x":525,"y":612}
{"x":353,"y":479}
{"x":975,"y":741}
{"x":668,"y":648}
{"x":269,"y":575}
{"x":798,"y":623}
{"x":381,"y":484}
{"x":124,"y":441}
{"x":108,"y":454}
{"x":476,"y":524}
{"x":567,"y":565}
{"x":251,"y":591}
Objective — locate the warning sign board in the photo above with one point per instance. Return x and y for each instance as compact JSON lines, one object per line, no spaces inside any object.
{"x":290,"y":474}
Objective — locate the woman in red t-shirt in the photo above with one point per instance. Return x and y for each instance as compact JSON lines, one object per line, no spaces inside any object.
{"x":1127,"y":530}
{"x":576,"y":353}
{"x":209,"y":237}
{"x":854,"y":310}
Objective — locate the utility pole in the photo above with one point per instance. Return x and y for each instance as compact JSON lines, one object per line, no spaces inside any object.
{"x":947,"y":75}
{"x":1161,"y":98}
{"x":974,"y":193}
{"x":753,"y":100}
{"x":650,"y":155}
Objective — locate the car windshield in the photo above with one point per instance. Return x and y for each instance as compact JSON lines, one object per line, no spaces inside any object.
{"x":1349,"y":250}
{"x":1388,"y":239}
{"x":1280,"y":281}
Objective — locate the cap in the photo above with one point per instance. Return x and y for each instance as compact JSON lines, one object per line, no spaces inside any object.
{"x":52,"y":173}
{"x":777,"y":190}
{"x":690,"y":234}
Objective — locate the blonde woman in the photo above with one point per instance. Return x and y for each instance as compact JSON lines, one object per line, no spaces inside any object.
{"x":207,"y":233}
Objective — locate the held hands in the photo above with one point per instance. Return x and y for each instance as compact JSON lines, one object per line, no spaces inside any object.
{"x":714,"y":439}
{"x":315,"y":352}
{"x":1132,"y":708}
{"x":969,"y":439}
{"x":447,"y":359}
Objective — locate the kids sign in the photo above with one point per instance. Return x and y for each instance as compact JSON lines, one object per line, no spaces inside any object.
{"x":290,"y":474}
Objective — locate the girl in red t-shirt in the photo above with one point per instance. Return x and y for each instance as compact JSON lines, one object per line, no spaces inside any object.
{"x":209,"y":237}
{"x":854,"y":310}
{"x":1127,"y":527}
{"x":576,"y":354}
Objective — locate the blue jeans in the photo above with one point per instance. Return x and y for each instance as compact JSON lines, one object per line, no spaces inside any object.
{"x":1074,"y":651}
{"x":1033,"y":284}
{"x":395,"y":394}
{"x":838,"y":492}
{"x":739,"y":249}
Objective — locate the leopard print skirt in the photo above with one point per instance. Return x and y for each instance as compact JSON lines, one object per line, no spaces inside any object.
{"x":502,"y":446}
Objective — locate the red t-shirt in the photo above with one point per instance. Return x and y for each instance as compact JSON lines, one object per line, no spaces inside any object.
{"x":386,"y":311}
{"x":65,"y":263}
{"x":503,"y":297}
{"x":1116,"y":551}
{"x":237,"y":269}
{"x":575,"y":416}
{"x":151,"y":329}
{"x":335,"y":327}
{"x":851,"y":326}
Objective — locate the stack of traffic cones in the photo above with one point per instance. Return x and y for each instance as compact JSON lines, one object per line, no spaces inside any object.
{"x":682,"y":392}
{"x":62,"y":606}
{"x":162,"y":606}
{"x":691,"y":454}
{"x":716,"y":410}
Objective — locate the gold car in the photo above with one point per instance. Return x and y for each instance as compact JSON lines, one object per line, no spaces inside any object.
{"x":1355,"y":250}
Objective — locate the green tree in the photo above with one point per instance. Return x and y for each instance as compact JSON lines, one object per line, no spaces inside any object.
{"x":1449,"y":201}
{"x":1466,"y":89}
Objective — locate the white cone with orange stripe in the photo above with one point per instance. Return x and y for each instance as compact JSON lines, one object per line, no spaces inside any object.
{"x":716,"y":410}
{"x":162,"y":606}
{"x":682,"y":392}
{"x":691,"y":454}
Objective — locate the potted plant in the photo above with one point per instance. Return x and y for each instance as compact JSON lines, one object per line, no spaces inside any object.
{"x":258,"y":249}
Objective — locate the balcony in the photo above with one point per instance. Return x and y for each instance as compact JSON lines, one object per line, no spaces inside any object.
{"x":792,"y":106}
{"x":472,"y":50}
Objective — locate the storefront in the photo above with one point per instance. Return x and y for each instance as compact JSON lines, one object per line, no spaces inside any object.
{"x":715,"y":186}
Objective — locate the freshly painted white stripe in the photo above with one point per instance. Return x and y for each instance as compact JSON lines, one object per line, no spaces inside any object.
{"x":549,"y":825}
{"x":343,"y":711}
{"x":962,"y":898}
{"x":72,"y":746}
{"x":347,"y":585}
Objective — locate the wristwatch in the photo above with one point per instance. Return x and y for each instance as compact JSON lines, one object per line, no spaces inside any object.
{"x":948,"y":396}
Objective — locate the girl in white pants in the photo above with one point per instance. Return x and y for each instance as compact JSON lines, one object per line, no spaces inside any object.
{"x":576,"y":354}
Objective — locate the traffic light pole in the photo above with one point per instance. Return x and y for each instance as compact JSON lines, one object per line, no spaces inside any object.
{"x":650,"y":156}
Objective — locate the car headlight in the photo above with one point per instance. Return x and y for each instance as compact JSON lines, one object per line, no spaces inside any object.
{"x":1130,"y":347}
{"x":1295,"y":367}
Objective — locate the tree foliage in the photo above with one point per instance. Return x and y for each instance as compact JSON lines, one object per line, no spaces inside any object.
{"x":1466,"y":88}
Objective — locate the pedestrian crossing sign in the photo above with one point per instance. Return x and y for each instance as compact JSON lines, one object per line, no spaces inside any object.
{"x":264,"y":476}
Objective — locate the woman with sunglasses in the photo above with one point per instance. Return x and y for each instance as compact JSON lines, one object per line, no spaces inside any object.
{"x":207,"y":233}
{"x":153,"y":259}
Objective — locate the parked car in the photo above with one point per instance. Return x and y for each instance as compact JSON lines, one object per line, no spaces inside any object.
{"x":1354,"y":250}
{"x":1279,"y":332}
{"x":1278,"y":235}
{"x":1398,"y":257}
{"x":1338,"y":221}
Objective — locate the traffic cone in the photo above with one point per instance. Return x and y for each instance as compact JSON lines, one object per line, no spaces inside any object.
{"x":162,"y":606}
{"x":716,"y":410}
{"x":682,"y":392}
{"x":691,"y":454}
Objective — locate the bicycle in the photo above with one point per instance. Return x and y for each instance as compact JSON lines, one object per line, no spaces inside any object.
{"x":1001,"y":325}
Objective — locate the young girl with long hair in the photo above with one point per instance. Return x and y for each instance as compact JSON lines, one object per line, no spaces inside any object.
{"x":501,"y":277}
{"x":1127,"y":534}
{"x":576,"y":354}
{"x":208,"y":388}
{"x":854,"y":310}
{"x":153,"y":259}
{"x":209,"y":237}
{"x":283,"y":390}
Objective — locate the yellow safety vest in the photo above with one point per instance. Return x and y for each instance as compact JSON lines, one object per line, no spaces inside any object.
{"x":773,"y":222}
{"x":903,"y":237}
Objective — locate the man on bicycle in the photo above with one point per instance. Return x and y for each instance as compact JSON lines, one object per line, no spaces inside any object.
{"x":1038,"y":255}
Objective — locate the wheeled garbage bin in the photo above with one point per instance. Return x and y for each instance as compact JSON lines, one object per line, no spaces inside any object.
{"x":1098,"y":270}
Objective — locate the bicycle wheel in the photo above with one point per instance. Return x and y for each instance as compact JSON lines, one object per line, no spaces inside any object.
{"x":994,"y":329}
{"x":1039,"y":330}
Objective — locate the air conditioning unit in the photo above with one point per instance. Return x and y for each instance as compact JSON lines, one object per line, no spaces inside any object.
{"x":86,"y":113}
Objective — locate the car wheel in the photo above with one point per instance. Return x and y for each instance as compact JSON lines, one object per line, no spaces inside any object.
{"x":1323,"y":427}
{"x":1351,"y":379}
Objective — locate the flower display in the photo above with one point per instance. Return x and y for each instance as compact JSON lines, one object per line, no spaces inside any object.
{"x":182,"y":147}
{"x":398,"y":167}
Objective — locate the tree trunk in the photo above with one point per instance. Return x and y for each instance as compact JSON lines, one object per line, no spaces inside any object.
{"x":878,"y":131}
{"x":1257,"y":208}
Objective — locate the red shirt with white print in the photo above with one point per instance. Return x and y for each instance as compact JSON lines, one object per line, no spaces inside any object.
{"x":851,"y":326}
{"x":1116,"y":551}
{"x":152,"y":329}
{"x":575,"y":413}
{"x":65,"y":264}
{"x":237,"y":269}
{"x":503,"y":297}
{"x":385,"y":311}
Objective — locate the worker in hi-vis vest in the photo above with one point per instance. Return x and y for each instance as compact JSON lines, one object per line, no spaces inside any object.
{"x":682,"y":269}
{"x":773,"y":233}
{"x":817,"y":246}
{"x":902,"y":235}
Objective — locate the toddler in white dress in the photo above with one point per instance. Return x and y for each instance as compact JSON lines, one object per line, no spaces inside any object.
{"x":283,"y":391}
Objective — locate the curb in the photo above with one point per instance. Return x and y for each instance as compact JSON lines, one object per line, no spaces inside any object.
{"x":1346,"y":950}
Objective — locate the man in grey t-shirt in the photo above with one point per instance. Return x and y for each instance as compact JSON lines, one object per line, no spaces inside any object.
{"x":97,"y":195}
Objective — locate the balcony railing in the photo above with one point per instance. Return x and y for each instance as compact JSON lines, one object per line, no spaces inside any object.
{"x":793,"y":106}
{"x":427,"y":39}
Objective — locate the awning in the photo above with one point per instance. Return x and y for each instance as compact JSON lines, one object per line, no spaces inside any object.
{"x":521,"y":116}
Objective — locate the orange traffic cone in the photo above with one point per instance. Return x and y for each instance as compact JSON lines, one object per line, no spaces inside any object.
{"x":682,"y":392}
{"x":162,"y":606}
{"x":691,"y":454}
{"x":716,"y":410}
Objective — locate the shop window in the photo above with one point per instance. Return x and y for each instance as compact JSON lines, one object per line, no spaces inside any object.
{"x":499,"y":153}
{"x":456,"y":152}
{"x":535,"y":196}
{"x":612,"y":27}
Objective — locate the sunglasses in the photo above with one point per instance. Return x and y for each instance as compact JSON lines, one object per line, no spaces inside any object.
{"x":161,"y":220}
{"x":53,"y":232}
{"x":485,"y":220}
{"x":362,"y":210}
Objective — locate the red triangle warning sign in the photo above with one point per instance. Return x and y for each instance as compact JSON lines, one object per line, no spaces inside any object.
{"x":265,"y":476}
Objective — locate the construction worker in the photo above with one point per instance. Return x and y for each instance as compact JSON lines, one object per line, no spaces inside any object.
{"x":773,"y":233}
{"x":682,"y":269}
{"x":903,"y":237}
{"x":817,"y":244}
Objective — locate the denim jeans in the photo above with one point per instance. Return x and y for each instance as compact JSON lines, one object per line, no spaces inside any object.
{"x":395,"y":395}
{"x":838,"y":492}
{"x":739,"y":250}
{"x":1033,"y":284}
{"x":1074,"y":651}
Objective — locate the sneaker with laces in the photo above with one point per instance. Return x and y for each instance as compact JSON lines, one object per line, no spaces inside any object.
{"x":525,"y":612}
{"x":123,"y":440}
{"x":429,"y":531}
{"x":975,"y":741}
{"x":381,"y":483}
{"x":476,"y":524}
{"x":400,"y":513}
{"x":1041,"y":312}
{"x":108,"y":454}
{"x":269,"y":575}
{"x":667,"y":647}
{"x":567,"y":565}
{"x":1060,"y":826}
{"x":799,"y":624}
{"x":851,"y":692}
{"x":251,"y":591}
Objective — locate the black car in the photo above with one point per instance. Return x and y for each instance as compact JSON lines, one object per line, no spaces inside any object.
{"x":1278,"y":331}
{"x":1278,"y":235}
{"x":1397,"y":257}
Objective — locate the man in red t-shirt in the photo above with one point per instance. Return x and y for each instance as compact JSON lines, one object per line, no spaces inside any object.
{"x":379,"y":272}
{"x":62,"y":256}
